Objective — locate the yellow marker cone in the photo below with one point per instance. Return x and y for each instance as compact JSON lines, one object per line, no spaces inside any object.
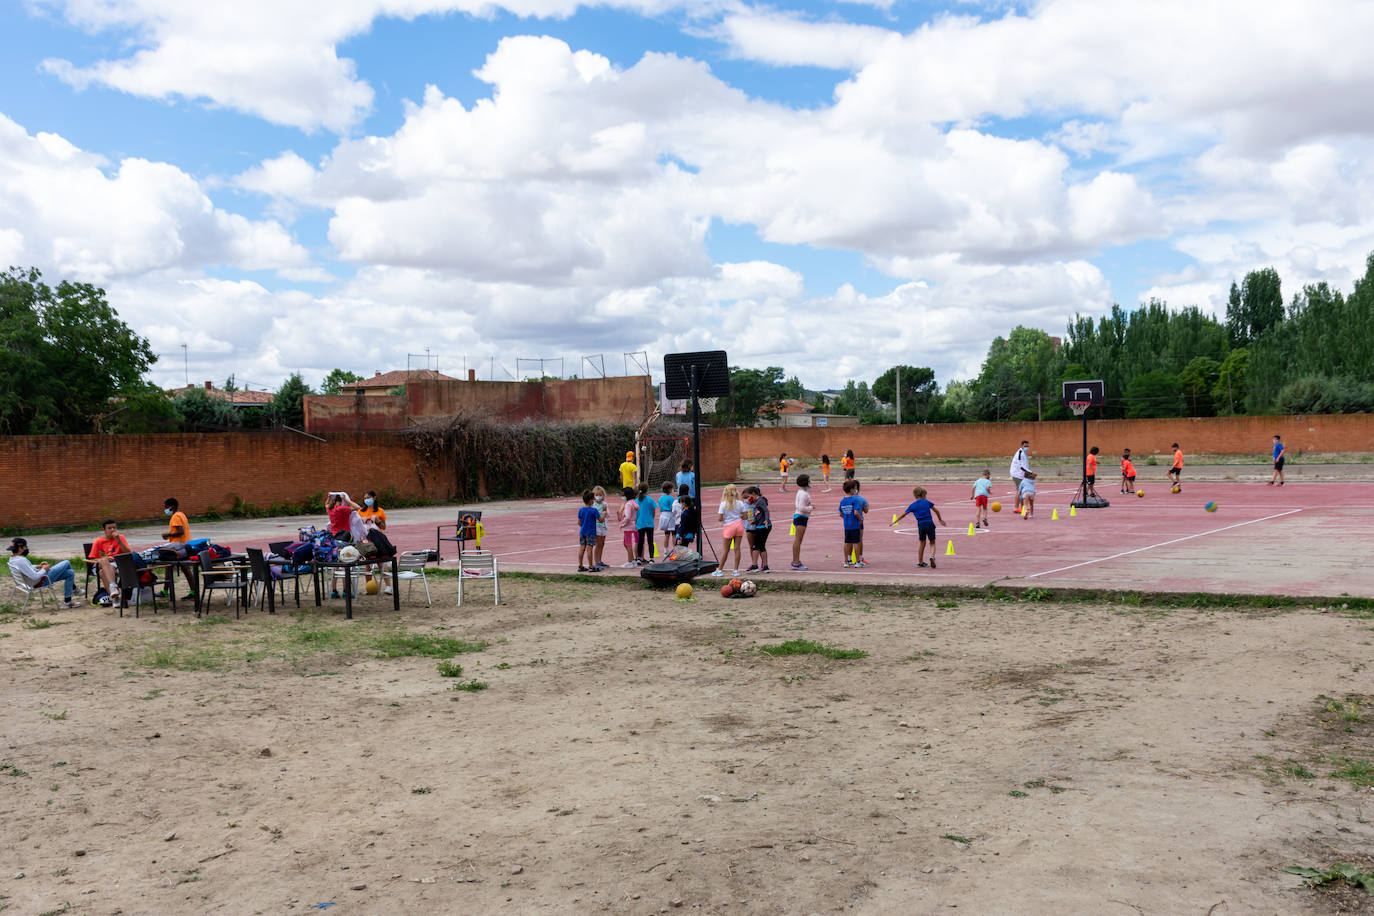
{"x":1073,"y":512}
{"x":970,"y":529}
{"x":793,"y":532}
{"x":894,"y":519}
{"x":480,"y":531}
{"x":949,"y":548}
{"x":655,"y":551}
{"x":1054,"y":515}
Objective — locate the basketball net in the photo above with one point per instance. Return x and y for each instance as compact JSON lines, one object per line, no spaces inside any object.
{"x":1079,"y":407}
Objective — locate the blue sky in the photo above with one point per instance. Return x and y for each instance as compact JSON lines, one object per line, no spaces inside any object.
{"x":828,"y":187}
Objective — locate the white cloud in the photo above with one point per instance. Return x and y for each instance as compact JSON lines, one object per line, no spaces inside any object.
{"x":69,"y":210}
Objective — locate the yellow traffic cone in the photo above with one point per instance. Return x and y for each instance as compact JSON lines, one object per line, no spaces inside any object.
{"x":1054,"y":515}
{"x":655,"y":551}
{"x":970,"y":529}
{"x":1073,"y":512}
{"x":949,"y":548}
{"x":793,"y":531}
{"x":894,"y":519}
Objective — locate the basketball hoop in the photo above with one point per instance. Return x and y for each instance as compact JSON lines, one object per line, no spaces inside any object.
{"x":1079,"y":407}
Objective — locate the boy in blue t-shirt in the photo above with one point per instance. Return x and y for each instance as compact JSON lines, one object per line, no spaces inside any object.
{"x":587,"y":518}
{"x":644,"y":525}
{"x":687,"y":478}
{"x":981,"y":487}
{"x":852,"y":515}
{"x":922,"y":509}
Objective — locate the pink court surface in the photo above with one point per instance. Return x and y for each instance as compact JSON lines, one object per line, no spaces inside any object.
{"x":1302,"y":539}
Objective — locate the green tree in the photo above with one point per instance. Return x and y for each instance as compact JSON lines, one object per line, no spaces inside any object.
{"x":64,"y":353}
{"x":1155,"y":394}
{"x":918,"y":391}
{"x":336,"y":379}
{"x":1258,"y":307}
{"x":956,"y":405}
{"x":854,"y":400}
{"x":755,"y":395}
{"x":288,"y":402}
{"x":1198,"y":379}
{"x":1228,"y":394}
{"x":229,"y":384}
{"x":144,"y":408}
{"x":199,"y":410}
{"x":794,"y":389}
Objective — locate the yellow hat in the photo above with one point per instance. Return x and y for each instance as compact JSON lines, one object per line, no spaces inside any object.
{"x":629,"y":456}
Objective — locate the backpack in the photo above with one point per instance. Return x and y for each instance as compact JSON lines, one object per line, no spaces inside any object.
{"x":383,"y":543}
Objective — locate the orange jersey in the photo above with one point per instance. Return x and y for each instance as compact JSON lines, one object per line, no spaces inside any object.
{"x":1178,"y":458}
{"x":825,"y":467}
{"x":1092,"y":464}
{"x":1127,"y":469}
{"x":847,"y":464}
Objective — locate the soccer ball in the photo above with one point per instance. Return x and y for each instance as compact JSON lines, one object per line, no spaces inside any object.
{"x":684,"y":590}
{"x":1211,"y":506}
{"x":736,"y":584}
{"x":1140,"y":493}
{"x":371,"y":587}
{"x":1175,"y":489}
{"x":748,"y":589}
{"x":726,"y":591}
{"x":995,"y":507}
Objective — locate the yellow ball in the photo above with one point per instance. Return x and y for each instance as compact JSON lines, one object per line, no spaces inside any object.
{"x":371,"y":587}
{"x":684,"y":591}
{"x":1175,"y":489}
{"x":1140,"y":493}
{"x":995,"y":507}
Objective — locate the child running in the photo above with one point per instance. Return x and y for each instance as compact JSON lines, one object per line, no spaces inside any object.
{"x":847,"y":462}
{"x":586,"y":534}
{"x":825,"y":472}
{"x":981,"y":487}
{"x":1176,"y":472}
{"x":922,"y":509}
{"x":851,"y":515}
{"x":801,"y":514}
{"x":667,"y":516}
{"x":1127,"y":472}
{"x":1278,"y":462}
{"x":1027,"y":493}
{"x":763,"y":526}
{"x":644,"y":525}
{"x":629,"y":515}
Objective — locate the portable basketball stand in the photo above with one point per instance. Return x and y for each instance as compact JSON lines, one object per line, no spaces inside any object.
{"x":1078,"y":397}
{"x":692,"y":376}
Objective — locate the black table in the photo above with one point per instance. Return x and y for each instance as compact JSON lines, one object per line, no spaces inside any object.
{"x":349,"y":566}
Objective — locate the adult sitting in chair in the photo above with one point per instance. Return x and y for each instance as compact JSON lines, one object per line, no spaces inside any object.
{"x":103,"y":551}
{"x":42,"y":574}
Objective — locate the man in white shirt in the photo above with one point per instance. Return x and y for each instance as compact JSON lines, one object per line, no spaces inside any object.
{"x":42,"y":573}
{"x":1020,"y":466}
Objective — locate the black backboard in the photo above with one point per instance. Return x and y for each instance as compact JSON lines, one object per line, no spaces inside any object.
{"x":713,"y":374}
{"x":1091,"y":390}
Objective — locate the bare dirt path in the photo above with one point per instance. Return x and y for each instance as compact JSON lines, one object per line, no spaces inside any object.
{"x":635,"y":754}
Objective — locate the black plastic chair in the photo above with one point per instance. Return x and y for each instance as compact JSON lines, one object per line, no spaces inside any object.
{"x":128,"y":574}
{"x":280,"y":548}
{"x":90,"y":569}
{"x":219,"y":578}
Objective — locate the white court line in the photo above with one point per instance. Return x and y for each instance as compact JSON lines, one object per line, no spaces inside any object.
{"x":1127,"y":553}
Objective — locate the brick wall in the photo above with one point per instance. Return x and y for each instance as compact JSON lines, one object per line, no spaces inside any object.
{"x":70,"y":480}
{"x":1210,"y":435}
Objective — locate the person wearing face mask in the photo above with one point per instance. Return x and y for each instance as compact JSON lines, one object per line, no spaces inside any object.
{"x":42,"y":574}
{"x":178,"y":532}
{"x":373,"y":515}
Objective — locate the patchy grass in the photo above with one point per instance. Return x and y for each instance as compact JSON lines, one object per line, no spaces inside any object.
{"x":808,"y":647}
{"x":1339,"y":872}
{"x":42,"y":623}
{"x":1359,"y":772}
{"x":401,"y":645}
{"x":471,"y":686}
{"x":450,"y":669}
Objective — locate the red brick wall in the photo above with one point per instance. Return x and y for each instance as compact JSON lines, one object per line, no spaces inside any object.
{"x":719,"y":455}
{"x":616,"y":399}
{"x":69,"y":480}
{"x":1209,"y":435}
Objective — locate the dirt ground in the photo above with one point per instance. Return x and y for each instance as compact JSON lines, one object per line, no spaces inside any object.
{"x":637,"y":754}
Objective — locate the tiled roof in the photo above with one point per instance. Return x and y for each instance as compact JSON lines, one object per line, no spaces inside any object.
{"x":396,"y":378}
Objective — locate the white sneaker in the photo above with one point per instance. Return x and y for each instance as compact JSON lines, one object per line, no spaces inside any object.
{"x":630,"y":565}
{"x":70,"y":603}
{"x":387,"y":590}
{"x":718,"y":574}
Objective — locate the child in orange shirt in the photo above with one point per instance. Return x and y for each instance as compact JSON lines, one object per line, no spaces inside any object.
{"x":825,"y":472}
{"x":1127,"y":472}
{"x":1176,"y":472}
{"x":1090,"y":468}
{"x":847,"y":462}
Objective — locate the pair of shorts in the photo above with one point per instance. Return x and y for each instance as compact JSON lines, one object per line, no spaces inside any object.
{"x":600,"y":530}
{"x":1176,"y":470}
{"x":665,"y":522}
{"x":586,"y":540}
{"x":848,"y":473}
{"x":629,"y":537}
{"x":853,"y":535}
{"x":733,"y":530}
{"x":1091,"y":478}
{"x":1130,"y":481}
{"x":925,"y":531}
{"x":1278,"y":464}
{"x":686,"y":537}
{"x":761,"y":538}
{"x":800,"y":520}
{"x":980,"y":501}
{"x":1016,"y":481}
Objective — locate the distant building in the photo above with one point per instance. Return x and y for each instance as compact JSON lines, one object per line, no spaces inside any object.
{"x":383,"y":382}
{"x":238,"y":398}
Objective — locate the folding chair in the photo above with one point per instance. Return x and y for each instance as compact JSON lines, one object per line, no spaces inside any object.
{"x":90,"y":569}
{"x":43,"y":588}
{"x":478,"y":564}
{"x":127,"y":574}
{"x":221,"y":578}
{"x":410,"y":564}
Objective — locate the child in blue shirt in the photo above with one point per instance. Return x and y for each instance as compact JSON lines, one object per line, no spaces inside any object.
{"x":851,"y":514}
{"x":687,"y":478}
{"x":666,"y":523}
{"x":922,"y":509}
{"x":644,"y":525}
{"x":586,"y":533}
{"x":981,"y":486}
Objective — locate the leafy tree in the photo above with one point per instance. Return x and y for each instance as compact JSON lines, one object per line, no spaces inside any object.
{"x":1258,"y":307}
{"x":64,"y":353}
{"x":229,"y":384}
{"x":918,"y":391}
{"x":336,"y":379}
{"x":198,"y":409}
{"x":144,"y":408}
{"x":794,"y":389}
{"x":1198,"y":379}
{"x":854,"y":400}
{"x":755,"y":394}
{"x":288,"y":402}
{"x":1228,"y":394}
{"x":1155,"y":394}
{"x":956,"y":405}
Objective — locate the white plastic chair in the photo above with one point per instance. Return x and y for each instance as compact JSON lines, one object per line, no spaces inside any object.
{"x":410,"y":564}
{"x":478,"y":564}
{"x":43,"y":588}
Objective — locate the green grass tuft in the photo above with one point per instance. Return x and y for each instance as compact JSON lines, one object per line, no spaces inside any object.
{"x":807,"y":647}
